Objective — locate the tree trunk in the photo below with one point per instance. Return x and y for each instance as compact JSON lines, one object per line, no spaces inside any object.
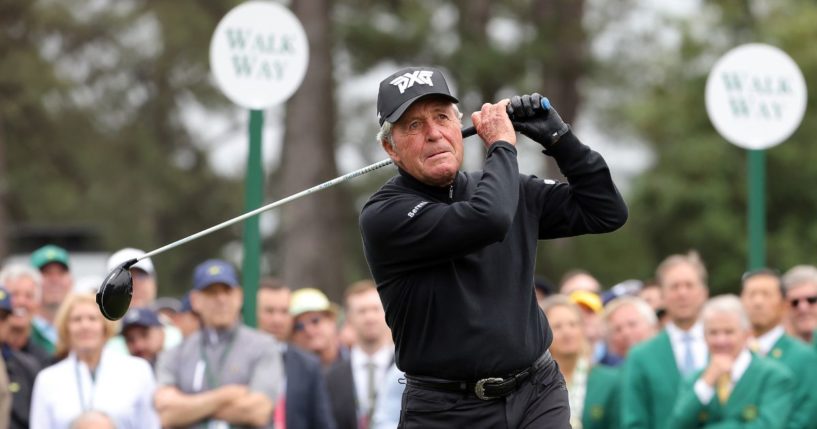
{"x":4,"y":222}
{"x":312,"y":227}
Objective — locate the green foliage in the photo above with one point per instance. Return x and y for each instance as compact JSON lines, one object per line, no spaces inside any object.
{"x":91,"y":111}
{"x":695,"y":195}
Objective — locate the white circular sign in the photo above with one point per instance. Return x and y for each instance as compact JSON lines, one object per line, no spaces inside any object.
{"x":756,"y":96}
{"x":259,"y":54}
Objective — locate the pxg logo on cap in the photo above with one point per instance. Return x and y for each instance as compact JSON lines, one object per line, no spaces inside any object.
{"x":404,"y":87}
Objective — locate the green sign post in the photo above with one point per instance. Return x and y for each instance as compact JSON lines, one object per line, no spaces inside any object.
{"x":253,"y":199}
{"x":757,"y":208}
{"x":258,"y":54}
{"x":756,"y":98}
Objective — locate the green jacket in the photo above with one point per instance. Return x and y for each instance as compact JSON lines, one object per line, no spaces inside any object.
{"x":41,"y":340}
{"x":649,"y":384}
{"x":814,"y":339}
{"x":761,"y":399}
{"x":801,"y":360}
{"x":601,"y":399}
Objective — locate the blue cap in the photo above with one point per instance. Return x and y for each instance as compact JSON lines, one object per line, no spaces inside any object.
{"x":140,"y":317}
{"x":214,"y":271}
{"x":5,"y":300}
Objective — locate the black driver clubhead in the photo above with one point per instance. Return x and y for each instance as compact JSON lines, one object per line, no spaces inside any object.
{"x":116,"y":291}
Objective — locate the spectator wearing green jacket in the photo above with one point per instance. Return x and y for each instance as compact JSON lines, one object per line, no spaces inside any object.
{"x":591,"y":388}
{"x":655,"y":368}
{"x":737,"y":389}
{"x":763,"y":299}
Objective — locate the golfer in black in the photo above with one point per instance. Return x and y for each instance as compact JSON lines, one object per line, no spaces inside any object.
{"x":453,"y":253}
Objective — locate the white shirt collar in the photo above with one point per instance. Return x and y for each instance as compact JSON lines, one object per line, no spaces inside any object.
{"x":382,"y":358}
{"x":676,"y":333}
{"x":740,"y":365}
{"x":768,"y":340}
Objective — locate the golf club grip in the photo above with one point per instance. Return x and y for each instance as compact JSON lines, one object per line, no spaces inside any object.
{"x":470,"y":131}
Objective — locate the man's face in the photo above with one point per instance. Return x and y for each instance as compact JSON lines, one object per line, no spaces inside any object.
{"x":684,"y":293}
{"x":724,"y":334}
{"x":428,"y":141}
{"x":366,"y":316}
{"x":144,"y":341}
{"x":24,"y":298}
{"x":763,"y":301}
{"x":654,"y":297}
{"x":144,"y":288}
{"x":802,"y":314}
{"x":57,"y":283}
{"x":314,"y":331}
{"x":218,"y":305}
{"x":627,"y":327}
{"x":273,"y":312}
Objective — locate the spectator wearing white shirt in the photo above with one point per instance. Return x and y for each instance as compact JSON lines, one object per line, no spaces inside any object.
{"x":354,"y":384}
{"x":89,"y":379}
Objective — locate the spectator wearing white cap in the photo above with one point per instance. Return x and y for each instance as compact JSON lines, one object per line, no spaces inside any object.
{"x":314,"y":326}
{"x":144,"y":295}
{"x":143,"y":274}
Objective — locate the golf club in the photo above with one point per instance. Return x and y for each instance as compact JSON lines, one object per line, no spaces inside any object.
{"x":114,"y":295}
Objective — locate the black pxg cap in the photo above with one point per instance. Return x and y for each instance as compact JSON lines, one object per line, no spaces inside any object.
{"x":404,"y":87}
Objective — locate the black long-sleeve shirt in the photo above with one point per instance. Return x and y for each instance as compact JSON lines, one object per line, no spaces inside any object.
{"x":454,"y":266}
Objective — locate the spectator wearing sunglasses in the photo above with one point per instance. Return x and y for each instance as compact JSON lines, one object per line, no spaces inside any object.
{"x":800,"y":286}
{"x":315,"y":327}
{"x":763,"y":299}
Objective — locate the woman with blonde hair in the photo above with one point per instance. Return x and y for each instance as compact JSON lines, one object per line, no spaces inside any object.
{"x":590,"y":388}
{"x":88,"y":378}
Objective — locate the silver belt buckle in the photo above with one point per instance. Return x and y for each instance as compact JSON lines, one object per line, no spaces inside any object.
{"x":479,"y":388}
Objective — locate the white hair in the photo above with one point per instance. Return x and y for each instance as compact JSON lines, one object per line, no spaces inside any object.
{"x":15,"y":272}
{"x":726,"y":304}
{"x":798,"y":275}
{"x":644,"y":310}
{"x":385,"y":132}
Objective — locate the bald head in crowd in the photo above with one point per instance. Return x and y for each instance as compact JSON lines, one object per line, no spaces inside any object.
{"x":578,"y":280}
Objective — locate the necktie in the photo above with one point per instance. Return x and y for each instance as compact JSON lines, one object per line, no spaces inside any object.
{"x":688,"y":364}
{"x":754,"y":346}
{"x":723,"y":387}
{"x":370,"y":373}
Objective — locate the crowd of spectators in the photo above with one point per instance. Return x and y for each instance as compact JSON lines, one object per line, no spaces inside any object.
{"x":660,"y":353}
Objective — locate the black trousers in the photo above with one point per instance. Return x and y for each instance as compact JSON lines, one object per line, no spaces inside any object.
{"x":540,"y":402}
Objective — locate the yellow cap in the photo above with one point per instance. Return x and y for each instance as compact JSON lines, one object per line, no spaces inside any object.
{"x":588,"y":300}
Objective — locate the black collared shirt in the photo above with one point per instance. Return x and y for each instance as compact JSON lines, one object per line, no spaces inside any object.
{"x":454,"y":265}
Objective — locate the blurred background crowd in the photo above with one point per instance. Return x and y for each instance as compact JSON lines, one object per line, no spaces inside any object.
{"x":654,"y":353}
{"x":113,"y":133}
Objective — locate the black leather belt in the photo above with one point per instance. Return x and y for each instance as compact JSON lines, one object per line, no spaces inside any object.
{"x":487,"y":388}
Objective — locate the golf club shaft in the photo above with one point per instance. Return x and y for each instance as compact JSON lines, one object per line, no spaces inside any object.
{"x":269,"y":206}
{"x":466,"y":132}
